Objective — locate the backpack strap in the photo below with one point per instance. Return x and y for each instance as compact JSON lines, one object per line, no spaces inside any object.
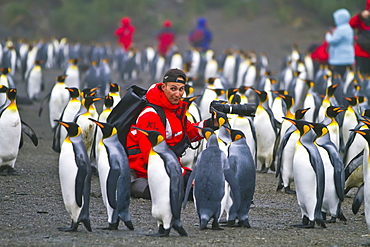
{"x":160,"y":112}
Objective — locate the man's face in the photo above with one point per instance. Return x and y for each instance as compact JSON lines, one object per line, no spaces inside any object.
{"x":174,"y":91}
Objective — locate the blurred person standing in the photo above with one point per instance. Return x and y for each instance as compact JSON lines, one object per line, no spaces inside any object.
{"x":125,"y":33}
{"x":361,"y":23}
{"x":340,"y":41}
{"x":200,"y":37}
{"x":166,"y":38}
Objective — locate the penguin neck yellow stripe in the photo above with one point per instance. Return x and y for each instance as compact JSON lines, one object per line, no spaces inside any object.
{"x":152,"y":152}
{"x":12,"y":106}
{"x":68,"y":140}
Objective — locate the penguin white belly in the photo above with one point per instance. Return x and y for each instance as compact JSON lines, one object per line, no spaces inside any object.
{"x":34,"y":83}
{"x":88,"y":130}
{"x":10,"y":132}
{"x":3,"y":81}
{"x":73,"y":77}
{"x":286,"y":168}
{"x":159,"y":185}
{"x":226,"y":201}
{"x":366,"y":165}
{"x":69,"y":114}
{"x":265,"y":138}
{"x":58,"y":100}
{"x":277,"y":109}
{"x":67,"y":176}
{"x":243,"y":124}
{"x":176,"y":61}
{"x":103,"y":169}
{"x":211,"y":69}
{"x":305,"y":182}
{"x":330,"y":200}
{"x":309,"y":102}
{"x":334,"y":134}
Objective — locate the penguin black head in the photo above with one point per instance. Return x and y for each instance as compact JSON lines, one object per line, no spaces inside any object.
{"x":5,"y":70}
{"x":108,"y":101}
{"x":72,"y":128}
{"x":235,"y":99}
{"x":206,"y":132}
{"x":231,"y":91}
{"x":289,"y":100}
{"x":221,"y":118}
{"x":235,"y":134}
{"x":218,"y":91}
{"x":299,"y":113}
{"x":365,"y":120}
{"x":188,"y":88}
{"x":153,"y":136}
{"x":333,"y":111}
{"x":190,"y":100}
{"x":73,"y":92}
{"x":3,"y":89}
{"x":88,"y":92}
{"x":366,"y":113}
{"x":11,"y":93}
{"x":211,"y":80}
{"x":320,"y":129}
{"x":89,"y":100}
{"x":107,"y":129}
{"x":243,"y":89}
{"x":331,"y":90}
{"x":301,"y":125}
{"x":114,"y":87}
{"x":364,"y":132}
{"x":262,"y":95}
{"x":61,"y":78}
{"x":310,"y":83}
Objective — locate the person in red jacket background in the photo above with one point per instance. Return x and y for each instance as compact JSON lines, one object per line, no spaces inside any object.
{"x":166,"y":38}
{"x":125,"y":33}
{"x":361,"y":23}
{"x":177,"y":130}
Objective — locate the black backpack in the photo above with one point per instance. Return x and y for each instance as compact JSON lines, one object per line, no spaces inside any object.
{"x":125,"y":113}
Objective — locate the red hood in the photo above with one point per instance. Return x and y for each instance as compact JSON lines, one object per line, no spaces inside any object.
{"x":368,"y":4}
{"x":156,"y":96}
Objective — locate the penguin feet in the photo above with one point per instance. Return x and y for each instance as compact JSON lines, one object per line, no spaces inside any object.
{"x":87,"y":224}
{"x":332,"y":220}
{"x":161,"y":232}
{"x":264,"y":169}
{"x":289,"y":191}
{"x":72,"y":228}
{"x":112,"y":226}
{"x":216,"y":225}
{"x":279,"y":187}
{"x":8,"y":171}
{"x":306,"y":223}
{"x":244,"y":223}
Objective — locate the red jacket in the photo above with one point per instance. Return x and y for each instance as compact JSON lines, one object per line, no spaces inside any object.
{"x":125,"y":33}
{"x":320,"y":54}
{"x":148,"y":119}
{"x":357,"y":23}
{"x":166,"y":38}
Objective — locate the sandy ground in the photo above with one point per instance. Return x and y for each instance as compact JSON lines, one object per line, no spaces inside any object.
{"x":31,"y":206}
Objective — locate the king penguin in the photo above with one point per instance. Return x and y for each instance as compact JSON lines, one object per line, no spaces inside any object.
{"x":35,"y":81}
{"x":366,"y":161}
{"x":309,"y":176}
{"x":114,"y":176}
{"x":242,"y":162}
{"x":68,"y":115}
{"x":10,"y":131}
{"x":209,"y":174}
{"x":73,"y":74}
{"x":75,"y":177}
{"x":58,"y":99}
{"x":166,"y":185}
{"x":334,"y":174}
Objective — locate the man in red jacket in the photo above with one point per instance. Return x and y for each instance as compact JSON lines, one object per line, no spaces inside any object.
{"x":361,"y":23}
{"x":166,"y":38}
{"x":125,"y":33}
{"x":177,"y":130}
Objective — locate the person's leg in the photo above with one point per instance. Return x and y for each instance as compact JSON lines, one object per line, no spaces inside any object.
{"x":139,"y":187}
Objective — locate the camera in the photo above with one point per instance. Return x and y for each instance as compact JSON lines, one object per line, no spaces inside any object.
{"x":246,"y":109}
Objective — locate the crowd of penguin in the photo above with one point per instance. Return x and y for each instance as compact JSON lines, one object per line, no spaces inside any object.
{"x":310,"y":126}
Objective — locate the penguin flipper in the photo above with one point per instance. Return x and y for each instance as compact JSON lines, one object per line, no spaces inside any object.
{"x":230,"y":178}
{"x":56,"y":138}
{"x":112,"y":180}
{"x":190,"y":181}
{"x":45,"y":99}
{"x":359,"y":198}
{"x":79,"y":187}
{"x":355,"y":163}
{"x":26,"y":129}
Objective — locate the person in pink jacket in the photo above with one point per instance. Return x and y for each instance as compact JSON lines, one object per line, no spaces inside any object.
{"x":361,"y":23}
{"x":125,"y":33}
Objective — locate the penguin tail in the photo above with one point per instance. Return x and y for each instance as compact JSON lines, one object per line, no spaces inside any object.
{"x":129,"y":225}
{"x":203,"y":222}
{"x":87,"y":224}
